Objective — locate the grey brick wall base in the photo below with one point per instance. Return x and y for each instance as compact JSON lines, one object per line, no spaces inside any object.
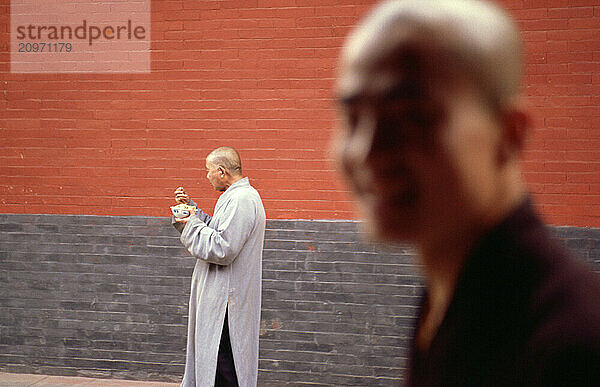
{"x":107,"y":297}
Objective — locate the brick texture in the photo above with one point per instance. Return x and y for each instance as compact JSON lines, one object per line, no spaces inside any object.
{"x":258,"y":75}
{"x":107,"y":297}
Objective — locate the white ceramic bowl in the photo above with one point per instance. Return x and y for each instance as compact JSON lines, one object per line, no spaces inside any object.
{"x":180,"y":212}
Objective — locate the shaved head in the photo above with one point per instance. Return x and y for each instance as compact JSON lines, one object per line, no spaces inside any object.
{"x":430,"y":95}
{"x":464,"y":38}
{"x":227,"y":158}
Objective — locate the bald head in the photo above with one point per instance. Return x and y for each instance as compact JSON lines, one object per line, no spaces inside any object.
{"x":463,"y":38}
{"x":429,"y":90}
{"x":227,"y":158}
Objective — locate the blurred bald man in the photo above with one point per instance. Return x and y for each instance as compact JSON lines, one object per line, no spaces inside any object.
{"x":434,"y":125}
{"x":224,"y":309}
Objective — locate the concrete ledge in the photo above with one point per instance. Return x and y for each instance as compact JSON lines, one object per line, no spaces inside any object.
{"x":26,"y":380}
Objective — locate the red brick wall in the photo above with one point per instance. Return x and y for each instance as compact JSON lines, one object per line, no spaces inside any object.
{"x":562,"y":82}
{"x":257,"y":75}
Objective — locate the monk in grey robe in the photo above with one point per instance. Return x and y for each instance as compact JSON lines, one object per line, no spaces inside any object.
{"x":226,"y":283}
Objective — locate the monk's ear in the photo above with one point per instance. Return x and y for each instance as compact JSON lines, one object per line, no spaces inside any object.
{"x":515,"y":123}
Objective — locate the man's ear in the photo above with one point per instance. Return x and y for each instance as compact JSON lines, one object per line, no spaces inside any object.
{"x":515,"y":123}
{"x":221,"y":171}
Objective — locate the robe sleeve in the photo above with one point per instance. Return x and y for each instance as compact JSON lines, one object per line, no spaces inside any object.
{"x":201,"y":214}
{"x":223,"y":244}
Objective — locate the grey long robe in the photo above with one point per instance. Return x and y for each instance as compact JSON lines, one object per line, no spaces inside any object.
{"x":228,"y":273}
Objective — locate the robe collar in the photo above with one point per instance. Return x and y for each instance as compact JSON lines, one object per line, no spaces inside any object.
{"x":243,"y":182}
{"x":238,"y":184}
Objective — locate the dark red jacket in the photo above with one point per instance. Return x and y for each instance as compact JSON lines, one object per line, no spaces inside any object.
{"x":524,"y":313}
